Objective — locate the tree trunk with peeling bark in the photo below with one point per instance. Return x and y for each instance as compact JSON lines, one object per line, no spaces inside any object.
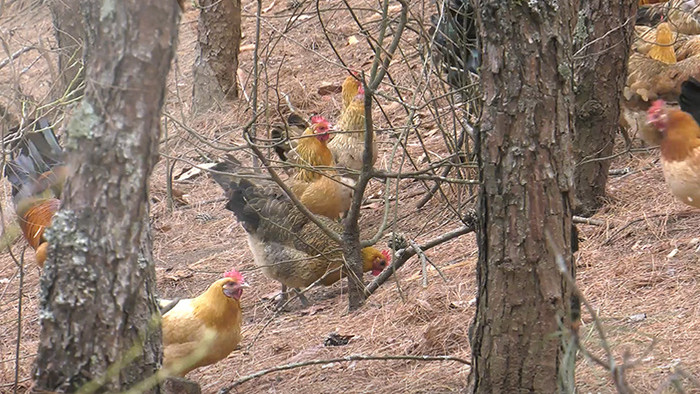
{"x":218,"y":42}
{"x":524,"y":151}
{"x":98,"y":310}
{"x":70,"y":33}
{"x":602,"y":40}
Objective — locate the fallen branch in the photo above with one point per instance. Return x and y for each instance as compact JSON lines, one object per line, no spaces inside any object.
{"x":355,"y":357}
{"x":592,"y":222}
{"x":678,"y":215}
{"x":14,"y":56}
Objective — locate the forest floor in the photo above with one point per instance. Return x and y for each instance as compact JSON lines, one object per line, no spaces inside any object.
{"x":639,"y":269}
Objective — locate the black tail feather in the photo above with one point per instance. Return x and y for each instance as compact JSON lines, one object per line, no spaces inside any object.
{"x":280,"y":136}
{"x":456,"y":46}
{"x":236,"y":189}
{"x":690,"y":98}
{"x":34,"y":154}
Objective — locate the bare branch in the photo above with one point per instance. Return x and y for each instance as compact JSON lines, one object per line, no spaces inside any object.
{"x":355,"y":357}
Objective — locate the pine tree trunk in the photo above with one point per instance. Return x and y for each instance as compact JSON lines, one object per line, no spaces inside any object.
{"x":98,"y":309}
{"x":218,"y":42}
{"x":524,"y":150}
{"x":70,"y":33}
{"x":602,"y":40}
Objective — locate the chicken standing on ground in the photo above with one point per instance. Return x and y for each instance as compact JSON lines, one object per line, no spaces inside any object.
{"x":286,"y":244}
{"x":204,"y":330}
{"x":316,"y":184}
{"x":37,"y":175}
{"x":348,"y":145}
{"x":680,"y":143}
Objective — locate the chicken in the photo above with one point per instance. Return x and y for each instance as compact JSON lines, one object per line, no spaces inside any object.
{"x":37,"y":175}
{"x":204,"y":330}
{"x":689,"y":99}
{"x":455,"y":47}
{"x":663,"y":51}
{"x":312,"y":150}
{"x":688,"y":48}
{"x":655,"y":75}
{"x":280,"y":134}
{"x":316,"y":184}
{"x":348,"y":146}
{"x":680,"y":143}
{"x":329,"y":195}
{"x":286,"y":244}
{"x":684,"y":46}
{"x":681,"y":15}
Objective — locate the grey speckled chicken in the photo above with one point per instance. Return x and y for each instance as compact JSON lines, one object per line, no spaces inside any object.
{"x":286,"y":244}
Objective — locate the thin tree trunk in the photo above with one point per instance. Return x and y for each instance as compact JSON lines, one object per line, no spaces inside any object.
{"x":218,"y":42}
{"x":524,"y":146}
{"x":603,"y":38}
{"x":97,"y":291}
{"x":353,"y":260}
{"x":70,"y":32}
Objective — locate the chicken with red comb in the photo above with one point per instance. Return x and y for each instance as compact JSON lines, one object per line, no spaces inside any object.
{"x":204,"y":330}
{"x":680,"y":146}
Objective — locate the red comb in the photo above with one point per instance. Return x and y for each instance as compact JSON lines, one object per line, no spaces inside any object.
{"x":235,"y":275}
{"x":656,"y":105}
{"x":318,"y":119}
{"x":386,"y":255}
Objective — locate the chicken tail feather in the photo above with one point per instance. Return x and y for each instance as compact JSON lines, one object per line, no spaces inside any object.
{"x":690,"y":98}
{"x":236,"y":188}
{"x":36,"y":153}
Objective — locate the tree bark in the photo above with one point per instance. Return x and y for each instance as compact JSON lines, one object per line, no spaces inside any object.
{"x":98,"y":309}
{"x":218,"y":43}
{"x":602,"y":41}
{"x":353,"y":260}
{"x":70,"y":33}
{"x":524,"y":153}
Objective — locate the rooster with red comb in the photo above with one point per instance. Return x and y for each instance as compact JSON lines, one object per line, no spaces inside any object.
{"x":206,"y":329}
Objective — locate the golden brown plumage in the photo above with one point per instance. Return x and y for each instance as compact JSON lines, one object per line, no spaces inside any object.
{"x":349,"y":144}
{"x":349,"y":89}
{"x":680,"y":147}
{"x":319,"y":188}
{"x":203,"y":330}
{"x":663,"y":49}
{"x":312,"y":151}
{"x":287,"y":245}
{"x":649,"y":79}
{"x":328,"y":195}
{"x":688,"y":48}
{"x":37,"y":179}
{"x":681,"y":15}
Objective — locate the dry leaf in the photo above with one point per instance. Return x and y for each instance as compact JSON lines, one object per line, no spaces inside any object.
{"x":352,"y":40}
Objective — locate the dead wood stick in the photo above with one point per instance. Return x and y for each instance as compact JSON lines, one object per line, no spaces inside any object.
{"x":354,"y":357}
